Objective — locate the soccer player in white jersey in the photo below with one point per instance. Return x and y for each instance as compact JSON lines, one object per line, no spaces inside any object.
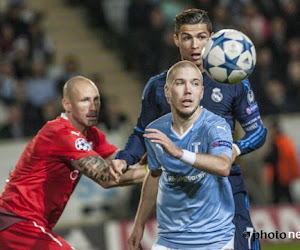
{"x":189,"y":157}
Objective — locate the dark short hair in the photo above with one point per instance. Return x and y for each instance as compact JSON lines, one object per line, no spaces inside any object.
{"x":192,"y":16}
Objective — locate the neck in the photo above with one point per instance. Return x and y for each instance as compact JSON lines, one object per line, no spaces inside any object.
{"x":181,"y":124}
{"x":81,"y":128}
{"x":201,"y":68}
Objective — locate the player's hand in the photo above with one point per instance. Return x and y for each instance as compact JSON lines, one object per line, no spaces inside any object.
{"x":116,"y":169}
{"x":159,"y":137}
{"x":134,"y":241}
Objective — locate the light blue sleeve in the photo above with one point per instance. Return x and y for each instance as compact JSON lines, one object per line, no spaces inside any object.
{"x":151,"y":156}
{"x":220,"y":139}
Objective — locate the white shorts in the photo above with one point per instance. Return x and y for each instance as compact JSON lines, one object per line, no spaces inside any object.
{"x":228,"y":246}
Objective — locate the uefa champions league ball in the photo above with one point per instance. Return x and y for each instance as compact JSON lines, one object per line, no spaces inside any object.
{"x":228,"y":56}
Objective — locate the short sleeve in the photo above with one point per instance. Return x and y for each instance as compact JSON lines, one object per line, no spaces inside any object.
{"x":220,"y":139}
{"x":100,"y":144}
{"x":151,"y":156}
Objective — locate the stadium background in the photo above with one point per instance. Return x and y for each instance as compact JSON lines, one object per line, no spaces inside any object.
{"x":119,"y":44}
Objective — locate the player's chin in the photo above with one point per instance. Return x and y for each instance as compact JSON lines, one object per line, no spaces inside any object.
{"x":198,"y":62}
{"x":91,"y":123}
{"x":186,"y":112}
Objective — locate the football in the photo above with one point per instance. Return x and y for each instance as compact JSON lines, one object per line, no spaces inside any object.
{"x":229,"y":56}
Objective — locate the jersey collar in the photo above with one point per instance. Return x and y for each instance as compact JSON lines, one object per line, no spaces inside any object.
{"x":63,"y":115}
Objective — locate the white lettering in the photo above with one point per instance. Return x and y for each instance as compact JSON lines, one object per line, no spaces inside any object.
{"x":196,"y":146}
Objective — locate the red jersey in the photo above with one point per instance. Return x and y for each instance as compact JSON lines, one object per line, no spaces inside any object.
{"x":43,"y":180}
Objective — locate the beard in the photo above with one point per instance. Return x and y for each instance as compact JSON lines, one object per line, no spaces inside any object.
{"x":185,"y":116}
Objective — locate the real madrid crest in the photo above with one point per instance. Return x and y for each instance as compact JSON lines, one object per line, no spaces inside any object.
{"x":216,"y":95}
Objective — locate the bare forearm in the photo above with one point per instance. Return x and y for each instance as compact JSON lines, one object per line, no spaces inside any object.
{"x":94,"y":167}
{"x":213,"y":164}
{"x":148,"y":199}
{"x":133,"y":176}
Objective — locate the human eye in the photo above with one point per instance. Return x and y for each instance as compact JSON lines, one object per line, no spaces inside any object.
{"x":179,"y":82}
{"x":202,"y":37}
{"x":196,"y":83}
{"x":186,"y":37}
{"x":84,"y":100}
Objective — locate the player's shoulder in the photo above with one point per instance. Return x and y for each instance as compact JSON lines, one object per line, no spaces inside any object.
{"x":243,"y":85}
{"x":213,"y":119}
{"x":155,"y":82}
{"x":161,"y":121}
{"x":59,"y":126}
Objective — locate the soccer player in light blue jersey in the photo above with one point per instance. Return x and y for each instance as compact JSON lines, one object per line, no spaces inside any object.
{"x":236,"y":103}
{"x":189,"y":157}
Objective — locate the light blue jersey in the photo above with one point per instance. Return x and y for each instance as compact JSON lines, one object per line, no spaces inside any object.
{"x":194,"y":209}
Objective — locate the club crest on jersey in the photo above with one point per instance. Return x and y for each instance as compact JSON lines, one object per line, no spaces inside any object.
{"x":216,"y":95}
{"x":250,"y":97}
{"x":82,"y":144}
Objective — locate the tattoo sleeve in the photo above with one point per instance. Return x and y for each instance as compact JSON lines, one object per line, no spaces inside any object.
{"x":94,"y":167}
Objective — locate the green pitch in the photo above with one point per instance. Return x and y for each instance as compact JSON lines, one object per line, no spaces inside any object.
{"x":287,"y":246}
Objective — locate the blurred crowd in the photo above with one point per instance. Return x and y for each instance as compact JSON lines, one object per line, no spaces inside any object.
{"x":30,"y":80}
{"x":142,"y":31}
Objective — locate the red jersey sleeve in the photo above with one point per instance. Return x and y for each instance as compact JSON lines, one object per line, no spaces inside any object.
{"x":100,"y":144}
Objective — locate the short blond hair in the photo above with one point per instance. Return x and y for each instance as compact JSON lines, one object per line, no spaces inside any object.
{"x":181,"y":64}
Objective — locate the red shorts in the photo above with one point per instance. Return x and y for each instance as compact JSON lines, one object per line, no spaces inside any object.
{"x":28,"y":235}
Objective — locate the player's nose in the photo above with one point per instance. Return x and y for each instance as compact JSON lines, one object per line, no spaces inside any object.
{"x":195,"y":43}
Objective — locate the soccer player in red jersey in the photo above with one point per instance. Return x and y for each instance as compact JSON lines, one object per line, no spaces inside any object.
{"x":50,"y":167}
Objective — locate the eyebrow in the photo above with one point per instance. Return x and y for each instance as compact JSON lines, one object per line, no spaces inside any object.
{"x":183,"y":79}
{"x":200,"y":33}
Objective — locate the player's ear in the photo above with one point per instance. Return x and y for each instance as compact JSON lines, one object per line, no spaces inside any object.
{"x":175,"y":38}
{"x":167,"y":93}
{"x":66,"y":105}
{"x":202,"y":92}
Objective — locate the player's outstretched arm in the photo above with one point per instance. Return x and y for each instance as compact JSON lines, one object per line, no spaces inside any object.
{"x":145,"y":209}
{"x":213,"y":164}
{"x":96,"y":168}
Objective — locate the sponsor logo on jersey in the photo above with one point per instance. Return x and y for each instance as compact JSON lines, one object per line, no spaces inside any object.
{"x":220,"y":127}
{"x":216,"y":95}
{"x":222,"y":143}
{"x":250,"y":97}
{"x":188,"y":178}
{"x":75,"y":133}
{"x":251,"y":127}
{"x":74,"y":174}
{"x":255,"y":119}
{"x":82,"y":144}
{"x":252,"y":108}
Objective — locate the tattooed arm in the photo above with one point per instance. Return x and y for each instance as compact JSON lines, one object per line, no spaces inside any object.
{"x":96,"y":168}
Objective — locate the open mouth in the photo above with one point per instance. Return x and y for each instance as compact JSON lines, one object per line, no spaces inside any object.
{"x":196,"y":56}
{"x":187,"y":102}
